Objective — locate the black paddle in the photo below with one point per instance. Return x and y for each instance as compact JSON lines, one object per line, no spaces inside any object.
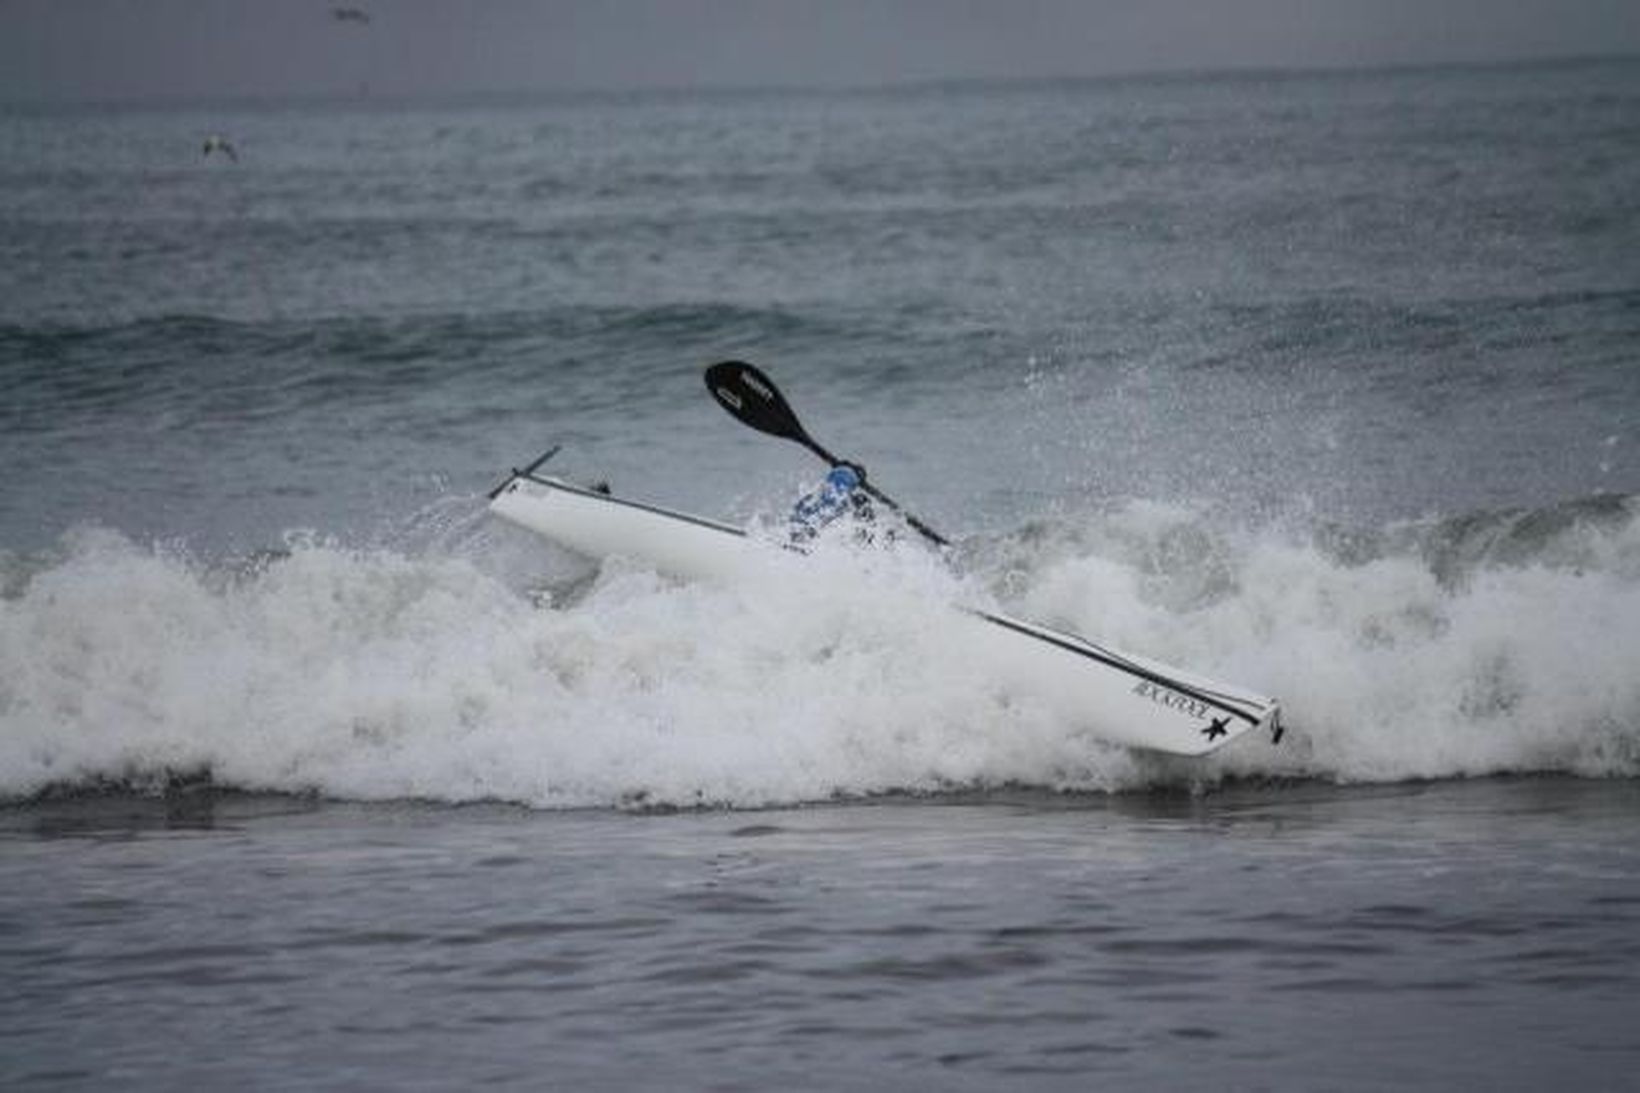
{"x":752,"y":397}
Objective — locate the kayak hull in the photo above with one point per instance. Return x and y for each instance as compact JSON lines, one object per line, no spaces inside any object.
{"x":1119,"y":697}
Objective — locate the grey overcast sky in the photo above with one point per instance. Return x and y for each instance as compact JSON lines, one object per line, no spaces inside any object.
{"x":139,"y":49}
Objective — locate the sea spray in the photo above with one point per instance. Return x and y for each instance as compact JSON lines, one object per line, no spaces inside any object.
{"x":372,"y":674}
{"x":1491,"y":643}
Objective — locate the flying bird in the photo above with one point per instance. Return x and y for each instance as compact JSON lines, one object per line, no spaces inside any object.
{"x":218,"y":143}
{"x":350,"y":15}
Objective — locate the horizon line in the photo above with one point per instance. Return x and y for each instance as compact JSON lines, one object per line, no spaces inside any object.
{"x":176,"y":100}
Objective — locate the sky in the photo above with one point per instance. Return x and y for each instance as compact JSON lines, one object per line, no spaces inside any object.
{"x":118,"y":50}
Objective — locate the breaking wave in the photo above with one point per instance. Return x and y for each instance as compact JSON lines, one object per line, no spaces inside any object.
{"x":487,"y":666}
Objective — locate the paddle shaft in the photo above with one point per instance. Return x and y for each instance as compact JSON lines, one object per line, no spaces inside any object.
{"x":927,"y":532}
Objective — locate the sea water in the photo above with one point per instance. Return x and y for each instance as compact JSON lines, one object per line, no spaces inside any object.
{"x":318,"y":777}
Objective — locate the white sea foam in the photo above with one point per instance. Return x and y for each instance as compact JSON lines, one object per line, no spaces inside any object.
{"x":372,"y":674}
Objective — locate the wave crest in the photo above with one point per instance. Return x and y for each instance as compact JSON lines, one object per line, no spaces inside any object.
{"x":1488,"y":644}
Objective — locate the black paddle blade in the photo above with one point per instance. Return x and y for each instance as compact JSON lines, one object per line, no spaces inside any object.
{"x":753,"y":398}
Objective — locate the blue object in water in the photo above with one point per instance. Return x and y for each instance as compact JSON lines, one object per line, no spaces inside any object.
{"x":819,"y":507}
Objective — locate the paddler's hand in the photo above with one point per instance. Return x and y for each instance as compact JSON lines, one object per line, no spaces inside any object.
{"x":859,"y":471}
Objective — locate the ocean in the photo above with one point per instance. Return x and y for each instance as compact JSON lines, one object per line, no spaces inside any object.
{"x":315,"y":776}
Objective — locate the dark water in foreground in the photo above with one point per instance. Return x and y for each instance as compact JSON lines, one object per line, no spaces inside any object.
{"x":1479,"y":935}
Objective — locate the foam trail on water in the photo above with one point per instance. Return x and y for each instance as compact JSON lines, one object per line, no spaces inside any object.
{"x":370,"y":674}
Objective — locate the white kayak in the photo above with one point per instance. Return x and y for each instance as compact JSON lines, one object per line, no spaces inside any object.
{"x":1125,"y":699}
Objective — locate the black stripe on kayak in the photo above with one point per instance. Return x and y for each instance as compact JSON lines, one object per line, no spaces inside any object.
{"x":698,"y":521}
{"x":1112,"y":660}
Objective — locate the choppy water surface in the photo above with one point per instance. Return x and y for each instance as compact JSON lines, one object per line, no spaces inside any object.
{"x":1423,"y":936}
{"x":313,"y":776}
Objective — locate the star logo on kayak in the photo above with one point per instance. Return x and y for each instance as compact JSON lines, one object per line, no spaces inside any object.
{"x":1220,"y":726}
